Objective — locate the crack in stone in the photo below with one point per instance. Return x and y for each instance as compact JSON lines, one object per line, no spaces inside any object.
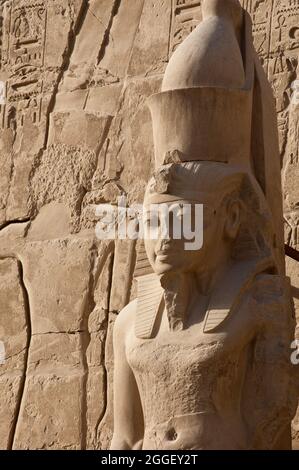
{"x":85,"y":342}
{"x":73,"y":33}
{"x":75,"y":332}
{"x":104,"y":137}
{"x":14,"y":355}
{"x":107,"y":34}
{"x":105,"y":375}
{"x":14,"y":222}
{"x":26,"y":357}
{"x":98,"y":19}
{"x":11,"y":175}
{"x":105,"y":387}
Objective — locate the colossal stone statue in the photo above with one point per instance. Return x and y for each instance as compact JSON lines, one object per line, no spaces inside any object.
{"x":202,"y":357}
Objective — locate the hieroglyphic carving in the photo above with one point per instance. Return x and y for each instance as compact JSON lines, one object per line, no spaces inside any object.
{"x":283,"y":71}
{"x":284,"y":43}
{"x":186,"y":15}
{"x":261,"y":17}
{"x":28,"y":35}
{"x":292,"y":229}
{"x":24,"y":58}
{"x":5,"y":13}
{"x":283,"y":56}
{"x":291,"y":174}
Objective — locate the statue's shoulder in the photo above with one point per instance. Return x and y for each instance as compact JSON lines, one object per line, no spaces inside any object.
{"x":125,"y":320}
{"x":269,"y":287}
{"x":249,"y":289}
{"x":270,"y":298}
{"x":269,"y":401}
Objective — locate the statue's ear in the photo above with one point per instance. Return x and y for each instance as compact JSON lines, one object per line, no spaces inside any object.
{"x":233,"y":218}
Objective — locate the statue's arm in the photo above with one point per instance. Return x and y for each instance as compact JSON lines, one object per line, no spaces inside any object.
{"x":270,"y":398}
{"x":128,"y":416}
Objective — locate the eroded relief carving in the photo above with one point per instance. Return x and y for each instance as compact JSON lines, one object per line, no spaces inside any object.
{"x":186,"y":15}
{"x":25,"y":53}
{"x":196,"y":355}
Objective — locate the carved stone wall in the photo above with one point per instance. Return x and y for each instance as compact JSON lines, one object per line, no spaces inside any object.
{"x":75,"y":132}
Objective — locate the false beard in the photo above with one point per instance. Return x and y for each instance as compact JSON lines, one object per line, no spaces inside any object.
{"x":176,"y":298}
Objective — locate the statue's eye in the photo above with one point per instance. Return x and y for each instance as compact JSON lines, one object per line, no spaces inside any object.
{"x":152,"y":221}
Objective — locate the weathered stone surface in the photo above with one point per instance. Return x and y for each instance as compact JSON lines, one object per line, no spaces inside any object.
{"x":150,"y":51}
{"x":104,"y":100}
{"x":88,"y":43}
{"x":6,"y":170}
{"x":113,"y":61}
{"x":75,"y":132}
{"x":76,"y":129}
{"x":59,"y":305}
{"x":32,"y":76}
{"x":66,"y":181}
{"x":61,"y":20}
{"x":55,"y":368}
{"x":135,"y":155}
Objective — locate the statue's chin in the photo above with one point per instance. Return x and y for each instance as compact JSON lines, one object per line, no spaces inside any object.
{"x":163,"y":266}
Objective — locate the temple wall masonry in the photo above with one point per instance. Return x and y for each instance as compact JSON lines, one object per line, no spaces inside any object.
{"x":75,"y":132}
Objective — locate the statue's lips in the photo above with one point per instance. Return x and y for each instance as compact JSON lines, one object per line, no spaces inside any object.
{"x":165,"y":253}
{"x":167,"y":248}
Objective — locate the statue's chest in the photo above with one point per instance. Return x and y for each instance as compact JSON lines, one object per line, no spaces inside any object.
{"x":181,"y":353}
{"x":180,"y":376}
{"x":188,"y":370}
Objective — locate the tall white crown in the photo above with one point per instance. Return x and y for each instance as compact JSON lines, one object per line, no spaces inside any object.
{"x":204,"y":111}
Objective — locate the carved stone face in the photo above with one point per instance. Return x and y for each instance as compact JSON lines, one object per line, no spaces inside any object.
{"x":213,"y":220}
{"x":171,"y":253}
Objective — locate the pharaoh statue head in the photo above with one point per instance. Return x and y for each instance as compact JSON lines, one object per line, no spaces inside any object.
{"x":220,"y":215}
{"x":213,"y":148}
